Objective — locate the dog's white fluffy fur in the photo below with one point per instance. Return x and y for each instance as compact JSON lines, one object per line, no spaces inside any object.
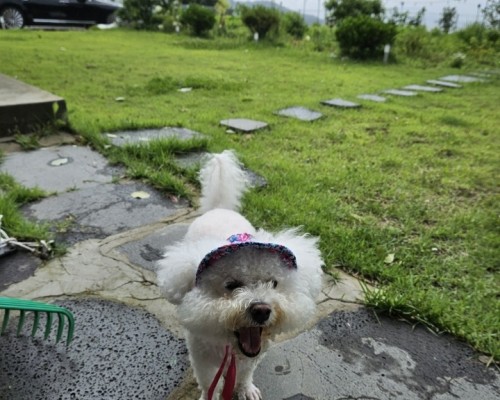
{"x":241,"y":294}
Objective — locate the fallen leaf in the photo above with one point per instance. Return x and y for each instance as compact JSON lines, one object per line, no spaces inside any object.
{"x":389,"y":259}
{"x":140,"y":195}
{"x":59,"y":162}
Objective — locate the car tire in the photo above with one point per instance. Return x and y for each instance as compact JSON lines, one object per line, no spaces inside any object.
{"x":13,"y":17}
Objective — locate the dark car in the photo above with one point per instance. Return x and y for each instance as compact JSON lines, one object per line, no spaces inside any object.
{"x":18,"y":13}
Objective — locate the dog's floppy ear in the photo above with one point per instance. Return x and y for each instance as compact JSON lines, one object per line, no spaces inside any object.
{"x":176,"y":273}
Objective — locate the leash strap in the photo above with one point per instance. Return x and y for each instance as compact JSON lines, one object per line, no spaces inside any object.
{"x":230,"y":378}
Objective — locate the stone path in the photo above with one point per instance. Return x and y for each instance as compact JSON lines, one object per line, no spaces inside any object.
{"x":128,"y":344}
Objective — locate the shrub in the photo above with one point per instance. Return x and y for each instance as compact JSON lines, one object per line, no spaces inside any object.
{"x":261,"y":20}
{"x":322,"y":37}
{"x":199,"y":19}
{"x":413,"y":42}
{"x":294,"y":25}
{"x":141,"y":14}
{"x":363,"y":37}
{"x":417,"y":45}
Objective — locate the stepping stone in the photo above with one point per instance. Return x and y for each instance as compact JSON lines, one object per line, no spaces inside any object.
{"x":58,"y":169}
{"x":420,"y":88}
{"x":484,"y":75}
{"x":461,"y":79}
{"x":393,"y":357}
{"x":372,"y":97}
{"x":398,"y":92}
{"x":148,"y":250}
{"x":444,"y":84}
{"x":143,"y":136}
{"x":103,"y":210}
{"x":340,"y":103}
{"x":243,"y":125}
{"x":118,"y":352}
{"x":301,"y":113}
{"x":16,"y":267}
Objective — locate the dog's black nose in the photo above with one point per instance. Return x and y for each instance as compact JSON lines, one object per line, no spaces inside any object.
{"x":260,"y":312}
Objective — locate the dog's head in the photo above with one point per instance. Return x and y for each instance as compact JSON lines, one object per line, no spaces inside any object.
{"x":246,"y":297}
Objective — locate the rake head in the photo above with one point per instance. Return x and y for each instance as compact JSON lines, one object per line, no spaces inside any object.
{"x":50,"y":310}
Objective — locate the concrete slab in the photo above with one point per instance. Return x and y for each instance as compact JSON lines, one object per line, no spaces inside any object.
{"x":23,"y":107}
{"x":372,"y":97}
{"x":399,"y":92}
{"x":118,"y":353}
{"x":340,"y":103}
{"x":444,"y":84}
{"x":355,"y":355}
{"x":146,"y":251}
{"x":16,"y":267}
{"x":103,"y":210}
{"x":58,"y":169}
{"x":243,"y":125}
{"x":422,"y":88}
{"x":147,"y":135}
{"x":301,"y":113}
{"x":461,"y":78}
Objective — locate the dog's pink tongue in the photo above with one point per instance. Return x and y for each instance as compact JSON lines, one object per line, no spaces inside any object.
{"x":250,"y":339}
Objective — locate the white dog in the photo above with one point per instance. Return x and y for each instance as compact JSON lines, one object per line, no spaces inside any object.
{"x":236,"y":287}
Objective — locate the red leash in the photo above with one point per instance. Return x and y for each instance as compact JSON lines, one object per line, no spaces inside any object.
{"x":229,"y":379}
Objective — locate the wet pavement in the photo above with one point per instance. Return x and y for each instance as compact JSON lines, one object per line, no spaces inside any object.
{"x":128,"y":343}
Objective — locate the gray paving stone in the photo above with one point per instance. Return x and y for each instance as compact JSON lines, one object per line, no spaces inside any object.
{"x":444,"y":84}
{"x":102,"y":210}
{"x":147,"y":135}
{"x":59,"y":168}
{"x":461,"y":78}
{"x":372,"y":97}
{"x":16,"y":267}
{"x":118,"y":353}
{"x":355,"y":355}
{"x":421,"y":88}
{"x":340,"y":103}
{"x":301,"y":113}
{"x":148,"y":250}
{"x":243,"y":125}
{"x":399,"y":92}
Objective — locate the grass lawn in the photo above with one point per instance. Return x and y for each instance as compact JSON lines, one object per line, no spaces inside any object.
{"x":404,"y":193}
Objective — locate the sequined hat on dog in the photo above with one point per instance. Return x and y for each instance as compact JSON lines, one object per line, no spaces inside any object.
{"x":245,"y":240}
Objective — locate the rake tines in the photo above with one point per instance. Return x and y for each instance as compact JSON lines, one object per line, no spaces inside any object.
{"x":24,"y":306}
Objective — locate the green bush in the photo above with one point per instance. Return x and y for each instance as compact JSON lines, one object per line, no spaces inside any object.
{"x":199,"y":19}
{"x":322,"y":37}
{"x":261,"y":20}
{"x":477,"y":34}
{"x":294,"y":25}
{"x":413,"y":42}
{"x":141,"y":14}
{"x":363,"y":37}
{"x":419,"y":46}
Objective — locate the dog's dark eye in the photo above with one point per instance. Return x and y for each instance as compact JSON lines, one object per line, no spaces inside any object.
{"x":275,"y":283}
{"x":233,"y":285}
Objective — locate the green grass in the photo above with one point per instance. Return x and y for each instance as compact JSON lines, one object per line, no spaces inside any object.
{"x":12,"y":196}
{"x":417,"y":178}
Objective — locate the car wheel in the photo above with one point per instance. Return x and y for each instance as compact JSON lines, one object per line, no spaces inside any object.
{"x":13,"y":18}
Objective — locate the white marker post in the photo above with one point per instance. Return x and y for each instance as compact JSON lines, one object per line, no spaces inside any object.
{"x":387,"y":50}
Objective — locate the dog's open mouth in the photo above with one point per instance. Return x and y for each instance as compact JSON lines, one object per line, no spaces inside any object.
{"x":249,"y":340}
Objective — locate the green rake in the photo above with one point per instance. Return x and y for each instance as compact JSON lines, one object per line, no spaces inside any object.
{"x":23,"y":306}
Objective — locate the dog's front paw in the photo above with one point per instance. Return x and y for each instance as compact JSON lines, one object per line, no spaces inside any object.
{"x":251,"y":392}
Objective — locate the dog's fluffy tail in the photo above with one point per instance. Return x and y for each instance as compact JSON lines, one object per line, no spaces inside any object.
{"x":223,"y":182}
